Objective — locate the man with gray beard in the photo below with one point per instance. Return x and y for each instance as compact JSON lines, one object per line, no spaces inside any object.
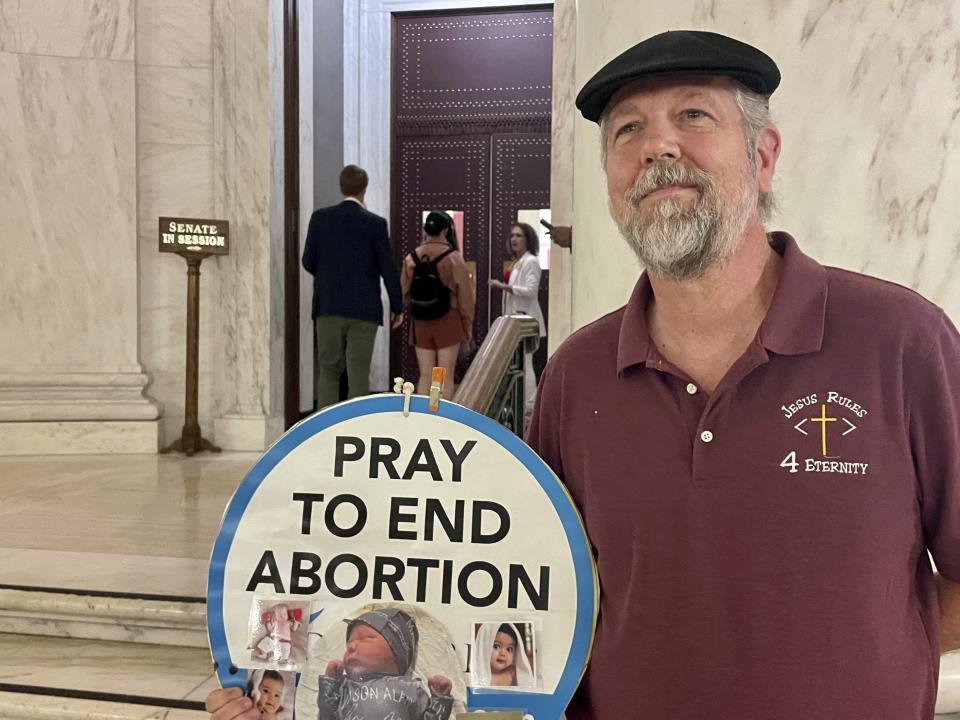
{"x":676,"y":241}
{"x":765,"y":451}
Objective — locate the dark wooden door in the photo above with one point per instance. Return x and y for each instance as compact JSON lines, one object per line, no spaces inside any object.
{"x":443,"y":173}
{"x":471,"y":126}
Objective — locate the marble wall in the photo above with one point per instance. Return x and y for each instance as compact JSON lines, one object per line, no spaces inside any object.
{"x":869,"y":109}
{"x":248,"y":191}
{"x":70,"y":376}
{"x":563,"y":127}
{"x":175,"y":170}
{"x":308,"y":154}
{"x":116,"y":112}
{"x":209,"y":143}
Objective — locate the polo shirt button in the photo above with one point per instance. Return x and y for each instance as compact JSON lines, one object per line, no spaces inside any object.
{"x":691,"y":389}
{"x":706,"y":436}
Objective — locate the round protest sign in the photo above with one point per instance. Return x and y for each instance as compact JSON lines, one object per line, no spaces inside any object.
{"x":374,"y":564}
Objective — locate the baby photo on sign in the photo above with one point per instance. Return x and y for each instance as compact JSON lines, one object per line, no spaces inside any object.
{"x":378,"y":665}
{"x":504,"y":655}
{"x":278,"y":632}
{"x":273,"y":693}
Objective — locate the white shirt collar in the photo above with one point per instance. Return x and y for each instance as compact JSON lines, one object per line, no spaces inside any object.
{"x":353,"y":199}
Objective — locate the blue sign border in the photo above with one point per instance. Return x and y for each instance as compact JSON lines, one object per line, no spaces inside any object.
{"x":542,"y":706}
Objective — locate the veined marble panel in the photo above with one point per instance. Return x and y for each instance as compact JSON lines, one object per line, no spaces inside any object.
{"x":176,"y":180}
{"x":82,"y":396}
{"x":246,"y":432}
{"x":175,"y":105}
{"x":562,"y":166}
{"x":68,"y":166}
{"x":78,"y":438}
{"x":174,"y":33}
{"x":79,"y":28}
{"x":881,"y":166}
{"x":247,"y":117}
{"x":273,"y":288}
{"x":305,"y":44}
{"x":175,"y":135}
{"x":870,"y":117}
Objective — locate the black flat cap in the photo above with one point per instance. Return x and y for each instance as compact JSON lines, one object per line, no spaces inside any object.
{"x":679,"y":52}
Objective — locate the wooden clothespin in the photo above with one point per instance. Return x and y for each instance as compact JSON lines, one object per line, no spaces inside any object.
{"x":436,"y":388}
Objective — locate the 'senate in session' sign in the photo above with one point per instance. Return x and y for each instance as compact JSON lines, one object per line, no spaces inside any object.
{"x":194,"y":235}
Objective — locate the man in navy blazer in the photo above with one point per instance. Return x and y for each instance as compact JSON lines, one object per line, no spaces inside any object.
{"x":347,"y":252}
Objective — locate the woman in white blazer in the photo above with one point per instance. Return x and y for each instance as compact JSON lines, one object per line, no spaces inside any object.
{"x":520,"y":295}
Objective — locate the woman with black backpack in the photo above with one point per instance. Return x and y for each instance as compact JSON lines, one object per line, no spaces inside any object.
{"x":437,"y":287}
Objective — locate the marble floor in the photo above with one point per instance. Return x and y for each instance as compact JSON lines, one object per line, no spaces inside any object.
{"x":90,"y":522}
{"x":138,"y":525}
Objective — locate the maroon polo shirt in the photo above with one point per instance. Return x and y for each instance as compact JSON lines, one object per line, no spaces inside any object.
{"x":762,"y":550}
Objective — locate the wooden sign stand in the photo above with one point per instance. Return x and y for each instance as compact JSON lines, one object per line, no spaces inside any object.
{"x":193,"y":239}
{"x":191,"y":440}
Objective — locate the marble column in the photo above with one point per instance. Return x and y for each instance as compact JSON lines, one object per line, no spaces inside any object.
{"x":70,"y":375}
{"x":561,"y":166}
{"x":305,"y":42}
{"x":248,"y":191}
{"x":870,"y":116}
{"x":175,"y":178}
{"x":209,"y":80}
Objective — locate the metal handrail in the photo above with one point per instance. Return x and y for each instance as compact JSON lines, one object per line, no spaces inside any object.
{"x":485,"y":377}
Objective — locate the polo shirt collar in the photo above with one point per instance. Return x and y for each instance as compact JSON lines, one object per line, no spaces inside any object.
{"x":635,"y":347}
{"x":795,"y":319}
{"x":793,"y":324}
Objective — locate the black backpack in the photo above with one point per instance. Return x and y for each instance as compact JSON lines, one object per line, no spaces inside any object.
{"x":429,"y":297}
